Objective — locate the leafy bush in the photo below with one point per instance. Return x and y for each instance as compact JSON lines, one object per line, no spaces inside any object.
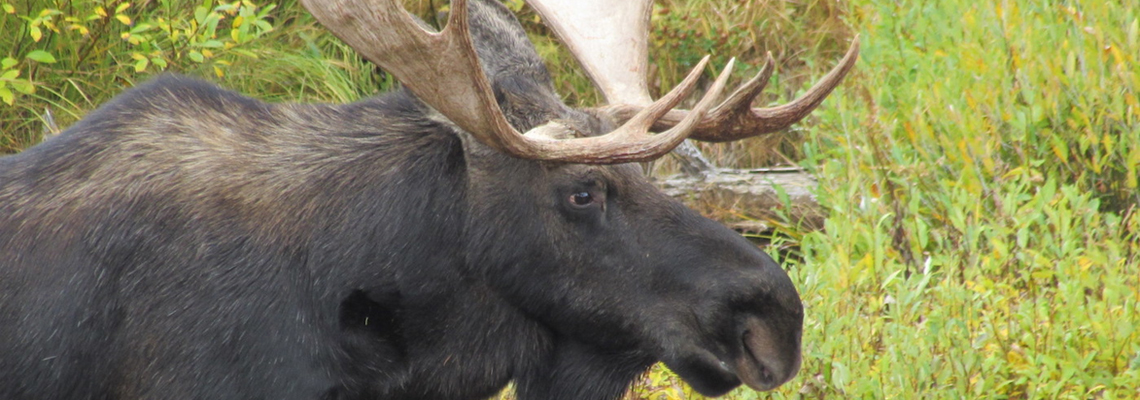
{"x":68,"y":57}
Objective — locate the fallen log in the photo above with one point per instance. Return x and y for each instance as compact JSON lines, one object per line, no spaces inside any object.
{"x":748,"y":199}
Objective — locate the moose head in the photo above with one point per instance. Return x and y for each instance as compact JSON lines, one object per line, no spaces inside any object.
{"x":688,"y":291}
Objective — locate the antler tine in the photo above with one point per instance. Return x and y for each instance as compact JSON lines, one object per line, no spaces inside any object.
{"x":739,"y":103}
{"x":443,"y":70}
{"x":632,"y":142}
{"x":735,"y":119}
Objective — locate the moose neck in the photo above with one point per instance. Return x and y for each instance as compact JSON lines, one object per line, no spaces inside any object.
{"x":431,"y":191}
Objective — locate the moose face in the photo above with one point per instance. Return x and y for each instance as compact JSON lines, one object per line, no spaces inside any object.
{"x":600,"y":256}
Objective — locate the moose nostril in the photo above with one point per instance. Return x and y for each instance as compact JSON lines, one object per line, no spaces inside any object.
{"x":766,"y":374}
{"x":762,"y":370}
{"x":764,"y":362}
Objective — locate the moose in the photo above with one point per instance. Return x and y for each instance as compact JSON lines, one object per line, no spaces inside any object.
{"x":463,"y":232}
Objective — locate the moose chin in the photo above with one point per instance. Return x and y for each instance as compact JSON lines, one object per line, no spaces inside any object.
{"x":437,"y":242}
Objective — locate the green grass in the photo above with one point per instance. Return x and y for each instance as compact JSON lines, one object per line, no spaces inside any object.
{"x":979,"y":168}
{"x":980,"y":173}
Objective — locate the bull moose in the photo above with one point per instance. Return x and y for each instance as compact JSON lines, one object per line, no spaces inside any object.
{"x":437,"y":242}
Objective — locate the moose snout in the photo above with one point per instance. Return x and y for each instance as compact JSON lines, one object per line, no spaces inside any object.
{"x":768,"y":357}
{"x":769,"y":325}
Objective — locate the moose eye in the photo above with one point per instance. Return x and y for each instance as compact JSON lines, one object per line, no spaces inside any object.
{"x":581,"y":199}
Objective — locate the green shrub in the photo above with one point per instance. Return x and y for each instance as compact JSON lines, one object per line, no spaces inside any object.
{"x":67,"y":57}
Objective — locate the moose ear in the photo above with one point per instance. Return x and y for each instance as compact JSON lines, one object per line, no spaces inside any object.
{"x":500,"y":40}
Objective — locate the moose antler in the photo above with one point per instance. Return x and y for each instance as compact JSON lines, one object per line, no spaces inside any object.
{"x":735,"y":119}
{"x":614,"y":56}
{"x":609,"y":38}
{"x":443,"y":70}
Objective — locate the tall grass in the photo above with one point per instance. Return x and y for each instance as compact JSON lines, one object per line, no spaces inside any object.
{"x":979,"y":168}
{"x":980,"y":173}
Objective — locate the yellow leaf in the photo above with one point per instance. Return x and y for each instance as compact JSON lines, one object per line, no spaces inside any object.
{"x":35,"y":32}
{"x":101,"y":12}
{"x":866,"y":262}
{"x":238,"y":21}
{"x":1016,"y":171}
{"x":123,"y":18}
{"x":1085,"y":263}
{"x":965,"y":152}
{"x":1014,"y":358}
{"x":999,"y":248}
{"x":1061,"y":153}
{"x":218,"y":72}
{"x":7,"y":96}
{"x":1119,"y":58}
{"x":141,"y":65}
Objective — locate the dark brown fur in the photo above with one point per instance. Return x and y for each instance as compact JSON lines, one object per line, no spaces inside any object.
{"x":184,"y":241}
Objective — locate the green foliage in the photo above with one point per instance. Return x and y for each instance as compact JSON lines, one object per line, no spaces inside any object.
{"x":982,"y":240}
{"x":68,"y":57}
{"x":979,"y":169}
{"x":979,"y":166}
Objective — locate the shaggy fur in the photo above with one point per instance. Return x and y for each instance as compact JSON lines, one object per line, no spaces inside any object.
{"x":186,"y":242}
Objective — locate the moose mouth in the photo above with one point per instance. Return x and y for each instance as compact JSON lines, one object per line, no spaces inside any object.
{"x":765,"y":362}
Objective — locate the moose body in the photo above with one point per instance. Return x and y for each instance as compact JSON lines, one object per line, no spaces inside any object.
{"x":184,"y":241}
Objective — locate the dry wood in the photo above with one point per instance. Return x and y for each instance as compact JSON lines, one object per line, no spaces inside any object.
{"x":747,"y":200}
